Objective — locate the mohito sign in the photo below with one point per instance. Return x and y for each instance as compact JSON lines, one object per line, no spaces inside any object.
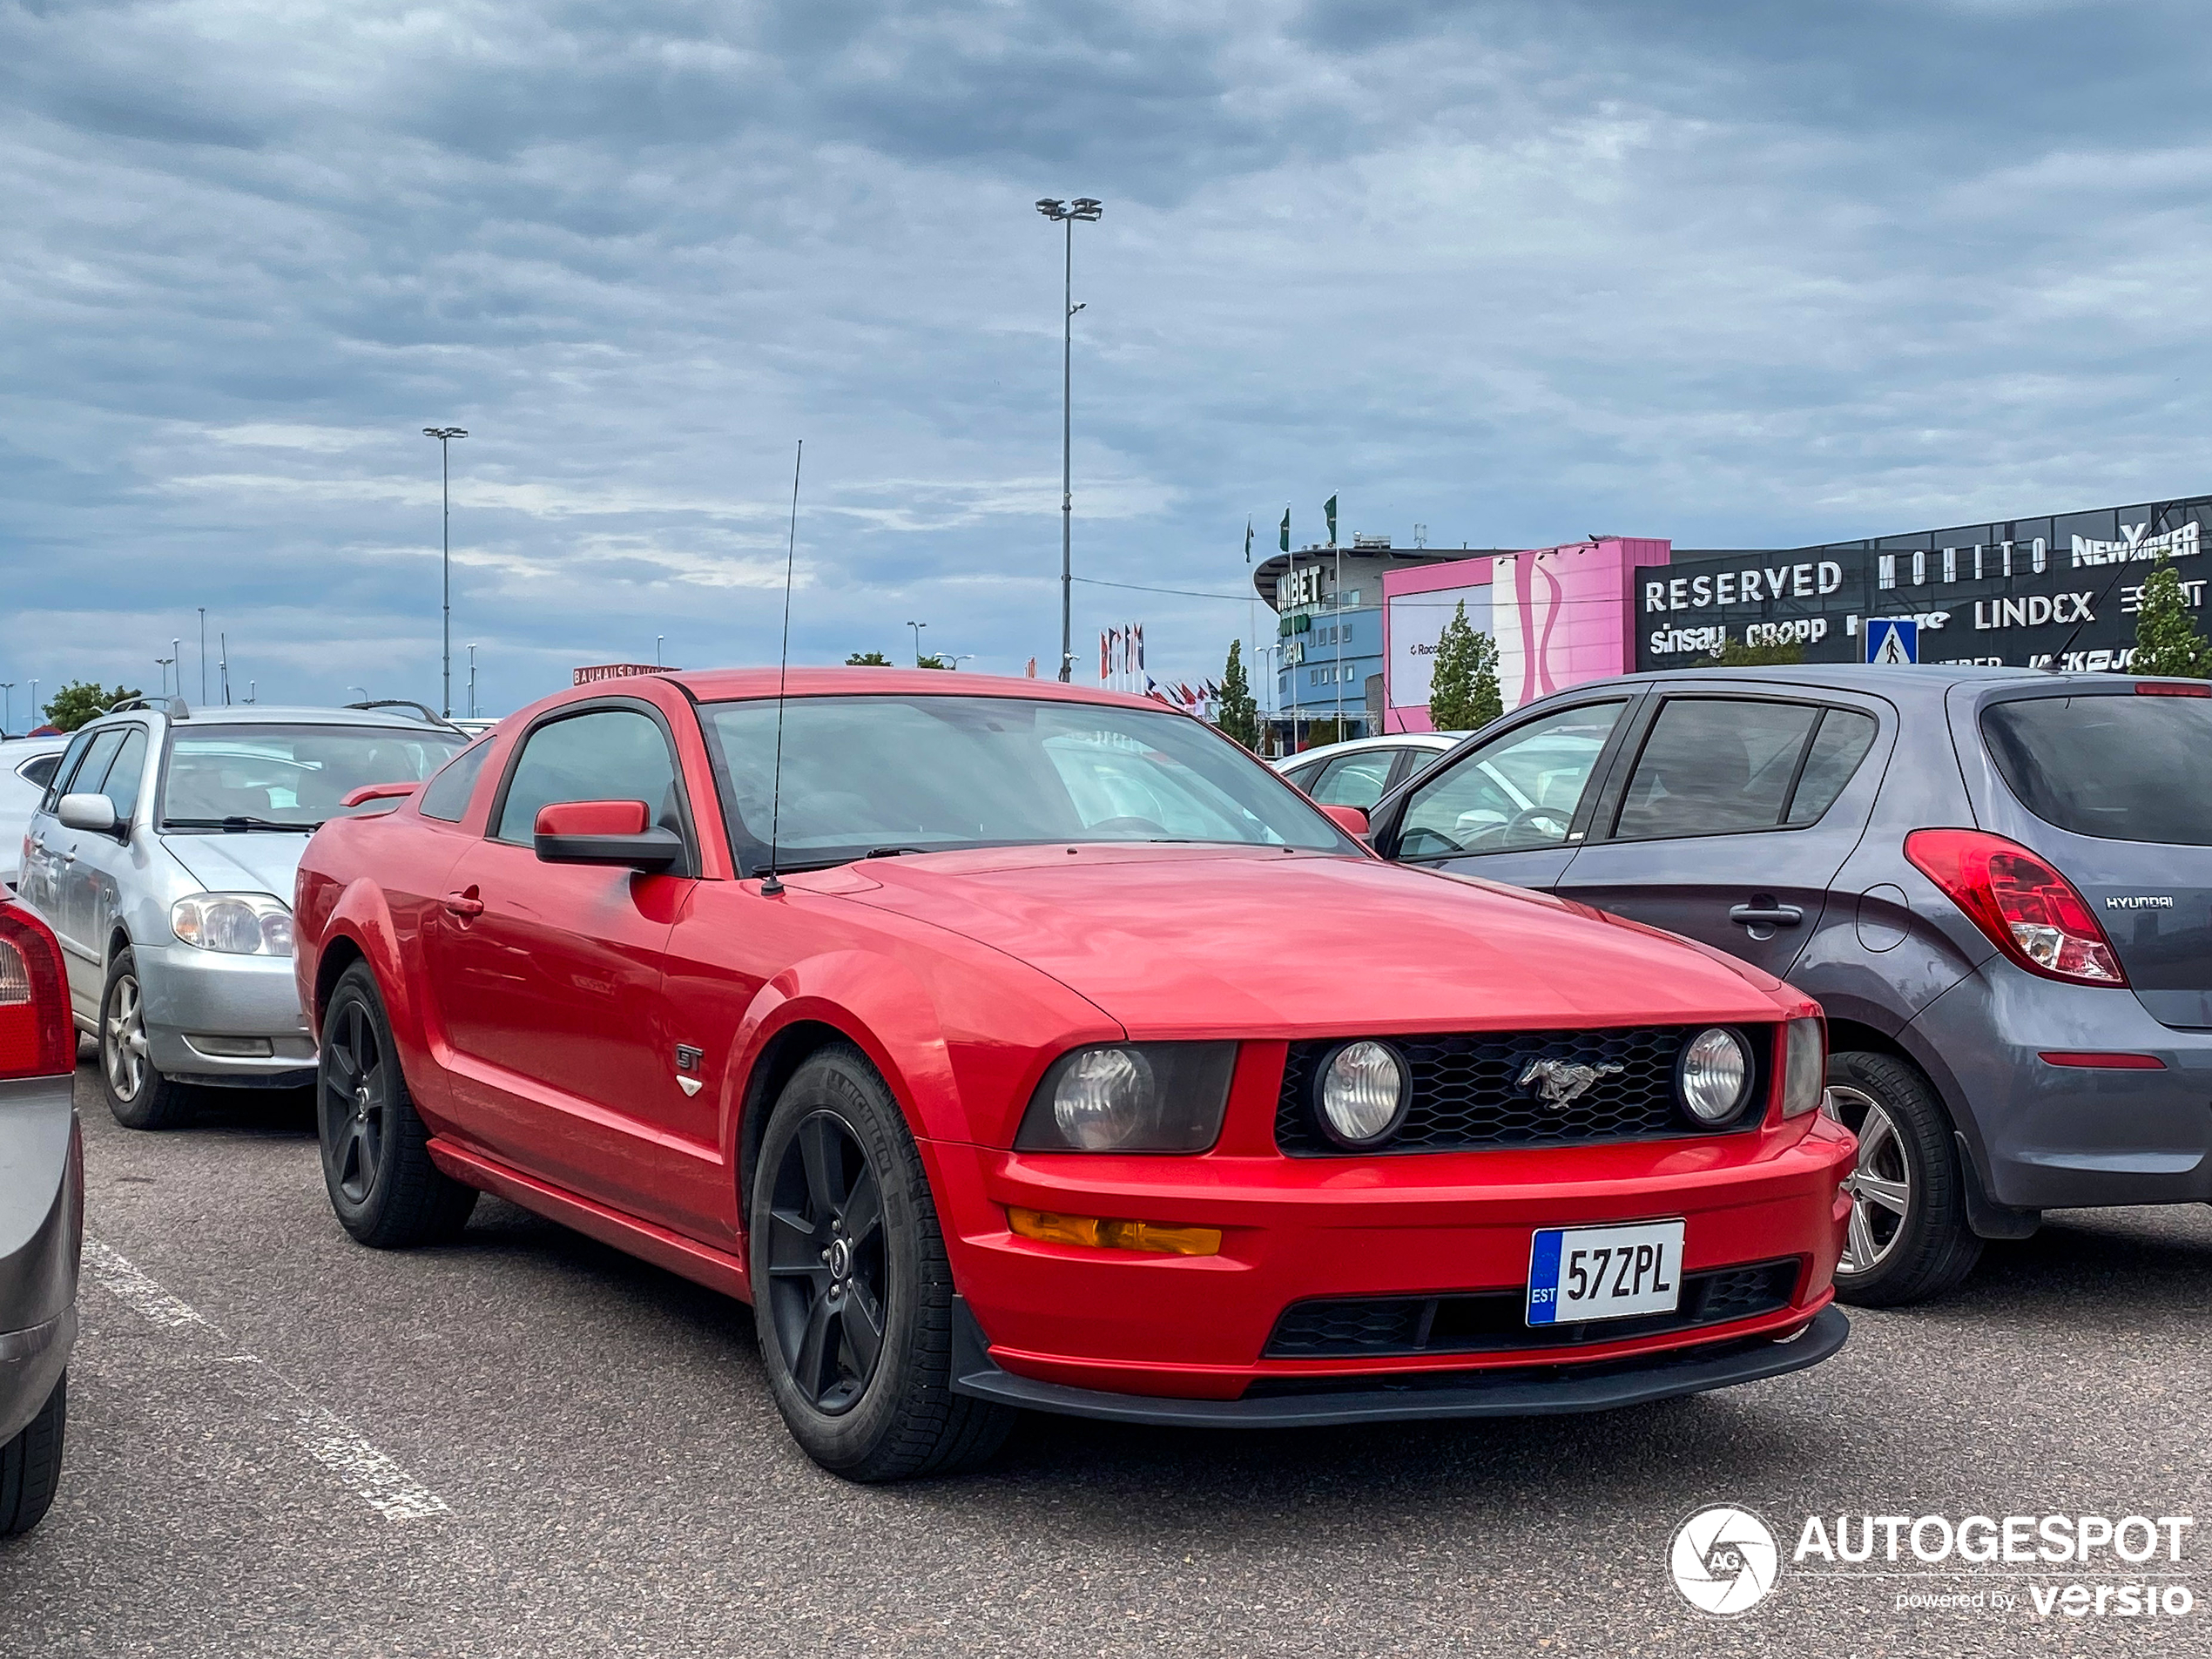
{"x":2057,"y":592}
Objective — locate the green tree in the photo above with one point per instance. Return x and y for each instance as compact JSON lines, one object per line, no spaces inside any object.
{"x":83,"y":700}
{"x":1738,"y":653}
{"x":2167,"y":640}
{"x":1463,"y":691}
{"x":867,"y":659}
{"x":1239,"y":711}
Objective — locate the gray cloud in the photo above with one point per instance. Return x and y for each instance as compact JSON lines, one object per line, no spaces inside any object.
{"x":1735,"y":274}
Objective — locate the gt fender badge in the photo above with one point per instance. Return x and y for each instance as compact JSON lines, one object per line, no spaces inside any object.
{"x":689,"y":1061}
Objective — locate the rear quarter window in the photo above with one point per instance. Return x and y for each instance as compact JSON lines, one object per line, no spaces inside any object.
{"x":2121,"y":767}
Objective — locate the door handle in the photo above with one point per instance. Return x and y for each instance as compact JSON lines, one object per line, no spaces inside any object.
{"x":1767,"y":916}
{"x":466,"y":905}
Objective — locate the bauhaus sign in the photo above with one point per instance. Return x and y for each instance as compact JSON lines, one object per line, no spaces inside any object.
{"x":2041,"y":592}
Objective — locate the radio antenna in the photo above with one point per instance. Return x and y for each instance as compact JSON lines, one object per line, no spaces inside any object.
{"x":770,"y":887}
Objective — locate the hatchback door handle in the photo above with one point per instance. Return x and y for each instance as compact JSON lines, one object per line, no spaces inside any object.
{"x":1756,"y":915}
{"x":465,"y":905}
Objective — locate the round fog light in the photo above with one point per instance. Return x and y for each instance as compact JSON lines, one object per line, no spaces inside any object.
{"x":1363,"y":1094}
{"x":1715,"y":1074}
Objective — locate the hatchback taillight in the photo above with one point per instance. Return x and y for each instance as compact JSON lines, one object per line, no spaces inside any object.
{"x":2029,"y":911}
{"x":37,"y":1039}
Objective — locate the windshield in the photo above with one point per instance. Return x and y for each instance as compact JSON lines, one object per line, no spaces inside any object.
{"x":288,"y":775}
{"x":879,"y":775}
{"x":2123,"y":768}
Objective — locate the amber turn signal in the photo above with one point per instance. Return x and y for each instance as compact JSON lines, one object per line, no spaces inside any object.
{"x":1115,"y":1235}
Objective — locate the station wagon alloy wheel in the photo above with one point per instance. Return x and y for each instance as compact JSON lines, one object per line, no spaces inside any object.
{"x":1879,"y":1185}
{"x":356,"y":1097}
{"x":123,"y":1039}
{"x":825,"y":1264}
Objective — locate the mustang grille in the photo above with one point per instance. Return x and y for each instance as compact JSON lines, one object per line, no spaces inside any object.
{"x":1491,"y":1321}
{"x":1467,"y":1093}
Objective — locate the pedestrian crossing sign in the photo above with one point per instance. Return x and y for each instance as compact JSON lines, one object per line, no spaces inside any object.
{"x":1892,"y":640}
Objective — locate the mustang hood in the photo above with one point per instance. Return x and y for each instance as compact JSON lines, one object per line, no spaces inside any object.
{"x":250,"y":861}
{"x":1198,"y":941}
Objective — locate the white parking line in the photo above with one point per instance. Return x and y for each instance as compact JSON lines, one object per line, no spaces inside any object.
{"x":359,"y":1466}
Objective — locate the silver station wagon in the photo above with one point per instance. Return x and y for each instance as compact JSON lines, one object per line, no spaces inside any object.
{"x":162,"y":855}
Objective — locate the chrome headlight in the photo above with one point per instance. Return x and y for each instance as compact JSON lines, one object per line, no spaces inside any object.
{"x":1363,"y":1094}
{"x":233,"y":924}
{"x":1804,"y":1069}
{"x":1714,"y":1075}
{"x":1130,"y":1097}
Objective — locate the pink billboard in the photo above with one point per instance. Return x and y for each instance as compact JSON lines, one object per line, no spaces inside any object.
{"x":1561,"y":615}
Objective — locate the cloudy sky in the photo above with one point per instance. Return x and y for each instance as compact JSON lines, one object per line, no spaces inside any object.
{"x":1737,"y":274}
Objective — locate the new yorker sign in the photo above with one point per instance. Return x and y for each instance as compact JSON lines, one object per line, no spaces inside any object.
{"x":2028,"y":593}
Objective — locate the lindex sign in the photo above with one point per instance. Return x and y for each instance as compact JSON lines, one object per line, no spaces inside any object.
{"x":2061,"y":591}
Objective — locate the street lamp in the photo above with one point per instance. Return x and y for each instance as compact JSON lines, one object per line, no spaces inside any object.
{"x":163,"y":664}
{"x":965,"y":657}
{"x":7,"y":706}
{"x":472,"y":679}
{"x":363,"y":690}
{"x":1087,"y":209}
{"x":445,"y":434}
{"x":658,"y":638}
{"x":917,"y":627}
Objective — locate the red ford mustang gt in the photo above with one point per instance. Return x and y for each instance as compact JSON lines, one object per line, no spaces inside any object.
{"x":1009,"y":1045}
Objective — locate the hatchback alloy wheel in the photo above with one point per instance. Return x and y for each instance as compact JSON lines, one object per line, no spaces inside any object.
{"x":827,"y":1284}
{"x":1879,"y":1186}
{"x":123,"y":1047}
{"x":356,"y":1101}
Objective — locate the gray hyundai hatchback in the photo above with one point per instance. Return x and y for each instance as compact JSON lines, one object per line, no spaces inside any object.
{"x":1997,"y":882}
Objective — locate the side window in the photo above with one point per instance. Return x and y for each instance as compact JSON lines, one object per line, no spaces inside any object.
{"x":1842,"y":742}
{"x":1303,"y":776}
{"x":1714,"y":766}
{"x":1514,"y":793}
{"x":67,"y":769}
{"x":125,"y":773}
{"x":91,"y":774}
{"x":1354,"y":779}
{"x":40,"y":770}
{"x":447,"y":795}
{"x":608,"y":754}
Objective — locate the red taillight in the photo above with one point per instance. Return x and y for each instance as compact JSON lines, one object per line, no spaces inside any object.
{"x":37,"y":1039}
{"x":2171,"y":688}
{"x":2029,"y":911}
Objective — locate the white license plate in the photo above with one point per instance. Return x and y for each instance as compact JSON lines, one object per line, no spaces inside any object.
{"x":1582,"y":1273}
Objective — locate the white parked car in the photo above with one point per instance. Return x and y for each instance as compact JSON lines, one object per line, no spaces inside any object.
{"x":163,"y":855}
{"x":26,"y":767}
{"x":1360,"y":773}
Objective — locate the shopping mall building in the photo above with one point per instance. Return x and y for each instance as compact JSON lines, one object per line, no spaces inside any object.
{"x":1358,"y":630}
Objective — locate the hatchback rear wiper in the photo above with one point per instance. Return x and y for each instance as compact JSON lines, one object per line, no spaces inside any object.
{"x":239,"y":821}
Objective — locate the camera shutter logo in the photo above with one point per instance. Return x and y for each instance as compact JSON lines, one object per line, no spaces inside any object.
{"x":1724,"y":1560}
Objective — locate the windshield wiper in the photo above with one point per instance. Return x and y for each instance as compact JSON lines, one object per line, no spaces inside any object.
{"x":892,"y":852}
{"x":239,"y":821}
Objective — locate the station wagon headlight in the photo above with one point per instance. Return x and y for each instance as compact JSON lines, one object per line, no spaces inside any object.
{"x":1130,"y":1097}
{"x":1363,"y":1094}
{"x":1714,"y":1075}
{"x":233,"y":924}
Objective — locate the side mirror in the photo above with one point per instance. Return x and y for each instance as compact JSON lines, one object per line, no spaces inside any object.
{"x":604,"y":832}
{"x":367,"y":792}
{"x":86,"y":812}
{"x":1350,"y":820}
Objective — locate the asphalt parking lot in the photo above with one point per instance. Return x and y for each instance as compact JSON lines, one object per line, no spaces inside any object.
{"x":281,"y":1443}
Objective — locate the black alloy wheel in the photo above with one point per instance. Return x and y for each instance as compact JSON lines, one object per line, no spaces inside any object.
{"x":828,"y":1289}
{"x":376,"y":1162}
{"x":356,"y":1100}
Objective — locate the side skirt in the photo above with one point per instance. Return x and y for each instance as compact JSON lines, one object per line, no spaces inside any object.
{"x":702,"y":1264}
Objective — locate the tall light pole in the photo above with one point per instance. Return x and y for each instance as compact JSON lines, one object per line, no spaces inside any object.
{"x":658,"y":640}
{"x":177,"y":656}
{"x":472,"y":679}
{"x":1087,"y":209}
{"x":35,"y":710}
{"x":163,"y":664}
{"x":445,"y":435}
{"x":7,"y":706}
{"x":917,"y":627}
{"x":203,"y":653}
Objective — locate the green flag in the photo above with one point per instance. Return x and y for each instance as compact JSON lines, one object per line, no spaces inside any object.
{"x":1329,"y":507}
{"x":1286,"y":530}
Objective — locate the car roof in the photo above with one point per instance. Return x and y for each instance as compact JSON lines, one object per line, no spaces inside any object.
{"x":29,"y":746}
{"x":1906,"y":683}
{"x":729,"y":684}
{"x":301,"y":714}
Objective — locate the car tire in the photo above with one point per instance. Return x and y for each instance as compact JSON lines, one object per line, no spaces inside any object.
{"x":140,"y":1096}
{"x":852,"y":1288}
{"x":30,"y":1464}
{"x":1909,"y":1238}
{"x":375,"y":1151}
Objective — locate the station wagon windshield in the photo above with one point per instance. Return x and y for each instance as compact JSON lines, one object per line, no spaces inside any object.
{"x":878,"y":776}
{"x":286,"y":777}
